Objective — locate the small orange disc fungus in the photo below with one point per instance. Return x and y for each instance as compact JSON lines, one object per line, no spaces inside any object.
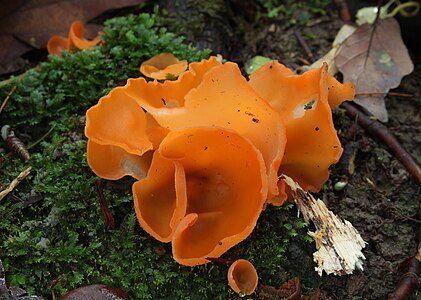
{"x":242,"y":277}
{"x":163,"y":66}
{"x":57,"y":44}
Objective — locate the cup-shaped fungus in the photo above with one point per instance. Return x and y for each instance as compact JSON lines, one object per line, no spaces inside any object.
{"x":304,"y":103}
{"x":163,"y":66}
{"x":220,"y":183}
{"x":220,"y":96}
{"x":242,"y":277}
{"x":57,"y":44}
{"x":206,"y":147}
{"x":117,"y":129}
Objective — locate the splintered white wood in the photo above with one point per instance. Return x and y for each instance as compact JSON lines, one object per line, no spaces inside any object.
{"x":339,"y":245}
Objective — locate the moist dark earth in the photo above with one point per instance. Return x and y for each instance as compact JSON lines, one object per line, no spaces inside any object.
{"x":380,"y":200}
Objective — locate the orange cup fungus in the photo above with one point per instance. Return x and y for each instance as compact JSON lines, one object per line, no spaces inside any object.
{"x":57,"y":44}
{"x":208,"y":147}
{"x":242,"y":277}
{"x":304,"y":103}
{"x":163,"y":66}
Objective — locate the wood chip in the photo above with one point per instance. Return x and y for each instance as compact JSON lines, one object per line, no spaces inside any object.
{"x":339,"y":245}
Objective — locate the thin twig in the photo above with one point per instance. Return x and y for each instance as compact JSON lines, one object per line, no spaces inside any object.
{"x":15,"y":182}
{"x":108,"y":217}
{"x":220,"y":260}
{"x":303,"y":44}
{"x":384,"y":94}
{"x":53,"y":285}
{"x":380,"y":132}
{"x":343,"y":9}
{"x":7,"y":98}
{"x":41,"y":138}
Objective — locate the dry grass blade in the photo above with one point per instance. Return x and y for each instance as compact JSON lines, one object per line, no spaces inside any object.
{"x":15,"y":182}
{"x":7,"y":98}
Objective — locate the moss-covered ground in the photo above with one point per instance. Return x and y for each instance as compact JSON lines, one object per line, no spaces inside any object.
{"x":51,"y":225}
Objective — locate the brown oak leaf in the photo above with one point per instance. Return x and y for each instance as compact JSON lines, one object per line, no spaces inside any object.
{"x":375,"y":66}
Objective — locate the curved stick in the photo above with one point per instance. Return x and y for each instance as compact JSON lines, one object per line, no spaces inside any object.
{"x":380,"y":132}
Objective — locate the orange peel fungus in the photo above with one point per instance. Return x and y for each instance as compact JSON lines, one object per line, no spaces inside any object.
{"x":242,"y":277}
{"x":207,"y":148}
{"x":304,"y":103}
{"x":57,"y":44}
{"x":163,"y":66}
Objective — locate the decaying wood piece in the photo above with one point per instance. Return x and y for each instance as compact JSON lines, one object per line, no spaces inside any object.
{"x":15,"y":182}
{"x":339,"y":245}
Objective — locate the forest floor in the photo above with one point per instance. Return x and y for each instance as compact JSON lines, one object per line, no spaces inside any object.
{"x":380,"y":199}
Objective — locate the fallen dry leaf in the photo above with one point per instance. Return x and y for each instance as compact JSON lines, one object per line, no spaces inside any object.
{"x":375,"y":68}
{"x":26,"y":25}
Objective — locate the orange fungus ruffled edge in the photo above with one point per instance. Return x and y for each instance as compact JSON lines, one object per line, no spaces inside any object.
{"x":163,"y":66}
{"x":304,"y":103}
{"x":207,"y":148}
{"x":57,"y":44}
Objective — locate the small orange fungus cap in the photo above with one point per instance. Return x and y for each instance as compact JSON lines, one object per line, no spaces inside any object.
{"x":169,"y":94}
{"x":57,"y":44}
{"x":217,"y":95}
{"x":76,"y":39}
{"x":304,"y":103}
{"x":163,"y":66}
{"x":242,"y":277}
{"x":225,"y":185}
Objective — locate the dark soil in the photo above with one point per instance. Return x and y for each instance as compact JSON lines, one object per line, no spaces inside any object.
{"x":381,"y":200}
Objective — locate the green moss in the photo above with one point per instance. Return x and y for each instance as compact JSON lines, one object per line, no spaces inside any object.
{"x":52,"y":226}
{"x":298,"y":12}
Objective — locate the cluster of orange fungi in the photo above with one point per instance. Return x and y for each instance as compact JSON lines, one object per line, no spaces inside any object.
{"x":57,"y":44}
{"x":208,"y":148}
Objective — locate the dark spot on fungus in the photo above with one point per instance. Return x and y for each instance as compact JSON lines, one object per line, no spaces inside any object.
{"x":334,"y":147}
{"x":163,"y":100}
{"x":270,"y":67}
{"x":317,"y":128}
{"x":206,"y":148}
{"x":219,"y":243}
{"x":255,"y":120}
